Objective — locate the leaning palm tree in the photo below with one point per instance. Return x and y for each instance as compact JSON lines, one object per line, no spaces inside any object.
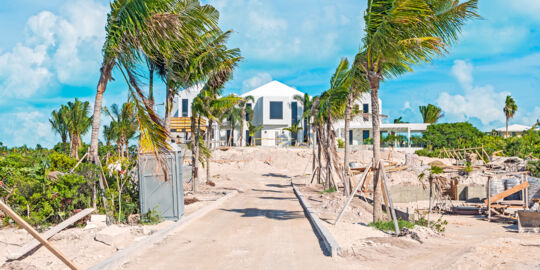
{"x":510,"y":109}
{"x":59,"y":125}
{"x":78,"y":123}
{"x":245,"y":110}
{"x":400,"y":34}
{"x":307,"y":103}
{"x":431,"y":113}
{"x":357,"y":85}
{"x":136,"y":29}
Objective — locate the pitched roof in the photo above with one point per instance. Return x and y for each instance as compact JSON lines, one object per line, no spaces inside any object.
{"x":273,"y":89}
{"x":515,"y":128}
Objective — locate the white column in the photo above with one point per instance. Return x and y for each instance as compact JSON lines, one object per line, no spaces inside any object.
{"x":409,"y":136}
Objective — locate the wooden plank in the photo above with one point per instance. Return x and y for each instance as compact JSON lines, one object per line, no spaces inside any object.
{"x":507,"y":192}
{"x":6,"y":209}
{"x":48,"y":234}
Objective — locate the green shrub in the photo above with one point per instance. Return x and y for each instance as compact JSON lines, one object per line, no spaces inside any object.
{"x":389,"y":225}
{"x":534,"y":168}
{"x":340,"y":143}
{"x":61,"y":162}
{"x":330,"y":190}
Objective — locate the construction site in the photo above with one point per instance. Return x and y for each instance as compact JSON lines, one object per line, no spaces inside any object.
{"x":264,"y":209}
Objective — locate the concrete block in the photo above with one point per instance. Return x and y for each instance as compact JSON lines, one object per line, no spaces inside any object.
{"x":98,"y":218}
{"x":113,"y":236}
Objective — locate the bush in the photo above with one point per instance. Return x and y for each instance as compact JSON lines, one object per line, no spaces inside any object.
{"x":340,"y":143}
{"x":389,"y":225}
{"x":451,"y":135}
{"x":61,"y":162}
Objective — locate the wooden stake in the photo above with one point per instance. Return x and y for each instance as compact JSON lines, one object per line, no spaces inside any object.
{"x":78,"y":163}
{"x":6,"y":209}
{"x":489,"y":198}
{"x":353,"y":193}
{"x":391,"y":204}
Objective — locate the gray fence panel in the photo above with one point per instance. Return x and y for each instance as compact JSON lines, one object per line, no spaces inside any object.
{"x":164,"y":197}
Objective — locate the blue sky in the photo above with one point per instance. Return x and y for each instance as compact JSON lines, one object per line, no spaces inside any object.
{"x":50,"y":54}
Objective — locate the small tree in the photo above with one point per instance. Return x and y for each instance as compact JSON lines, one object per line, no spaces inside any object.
{"x":253,"y":129}
{"x":294,"y":129}
{"x":431,"y":113}
{"x":510,"y":109}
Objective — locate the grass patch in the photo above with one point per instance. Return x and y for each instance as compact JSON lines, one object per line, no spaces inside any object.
{"x":389,"y":225}
{"x":330,"y":190}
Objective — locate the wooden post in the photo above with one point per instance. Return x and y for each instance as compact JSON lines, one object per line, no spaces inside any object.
{"x":489,"y":198}
{"x":385,"y":196}
{"x":390,"y":203}
{"x":6,"y":209}
{"x":525,"y":193}
{"x":353,"y":192}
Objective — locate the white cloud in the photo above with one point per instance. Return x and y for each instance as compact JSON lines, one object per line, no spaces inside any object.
{"x":406,"y":105}
{"x":531,"y":8}
{"x":256,"y":81}
{"x":462,"y":70}
{"x":63,"y":49}
{"x":30,"y":128}
{"x":482,"y":102}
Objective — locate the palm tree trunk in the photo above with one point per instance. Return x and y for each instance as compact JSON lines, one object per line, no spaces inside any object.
{"x":346,"y":190}
{"x":242,"y":127}
{"x":151,"y":87}
{"x":208,"y":144}
{"x":327,"y":149}
{"x":507,"y":127}
{"x":106,"y":69}
{"x":194,"y":156}
{"x":319,"y":152}
{"x":168,"y":106}
{"x":377,"y":195}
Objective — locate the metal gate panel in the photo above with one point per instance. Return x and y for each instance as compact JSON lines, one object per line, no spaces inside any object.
{"x":164,"y":197}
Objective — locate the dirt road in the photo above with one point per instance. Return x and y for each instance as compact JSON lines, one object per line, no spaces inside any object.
{"x":262,"y":228}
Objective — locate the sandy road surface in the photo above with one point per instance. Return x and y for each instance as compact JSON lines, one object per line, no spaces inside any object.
{"x":261,"y":228}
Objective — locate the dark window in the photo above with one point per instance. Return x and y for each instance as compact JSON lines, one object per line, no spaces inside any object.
{"x":184,"y":107}
{"x":248,"y":138}
{"x":365,"y":134}
{"x":366,"y":108}
{"x":294,"y":113}
{"x":248,"y":111}
{"x":350,"y":137}
{"x":276,"y":110}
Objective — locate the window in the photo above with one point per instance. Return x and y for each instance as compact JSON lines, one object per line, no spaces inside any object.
{"x":184,"y":107}
{"x":365,"y":134}
{"x":276,"y":110}
{"x":366,"y":108}
{"x":249,"y":111}
{"x":294,"y":113}
{"x":350,"y":137}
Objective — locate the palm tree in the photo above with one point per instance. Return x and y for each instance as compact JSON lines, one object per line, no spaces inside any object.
{"x":400,"y":34}
{"x":357,"y":85}
{"x":252,"y":130}
{"x":78,"y":123}
{"x":510,"y":109}
{"x":431,"y":113}
{"x":135,"y":29}
{"x":294,"y":129}
{"x":399,"y":120}
{"x":233,"y":117}
{"x":123,"y":126}
{"x":59,"y":125}
{"x":245,"y":110}
{"x":307,"y":103}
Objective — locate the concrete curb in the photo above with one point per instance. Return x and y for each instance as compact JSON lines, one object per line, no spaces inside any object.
{"x":329,"y":243}
{"x":123,"y":256}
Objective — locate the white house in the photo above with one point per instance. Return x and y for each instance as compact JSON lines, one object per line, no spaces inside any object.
{"x":360,"y":127}
{"x":274,"y":109}
{"x":513,"y":130}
